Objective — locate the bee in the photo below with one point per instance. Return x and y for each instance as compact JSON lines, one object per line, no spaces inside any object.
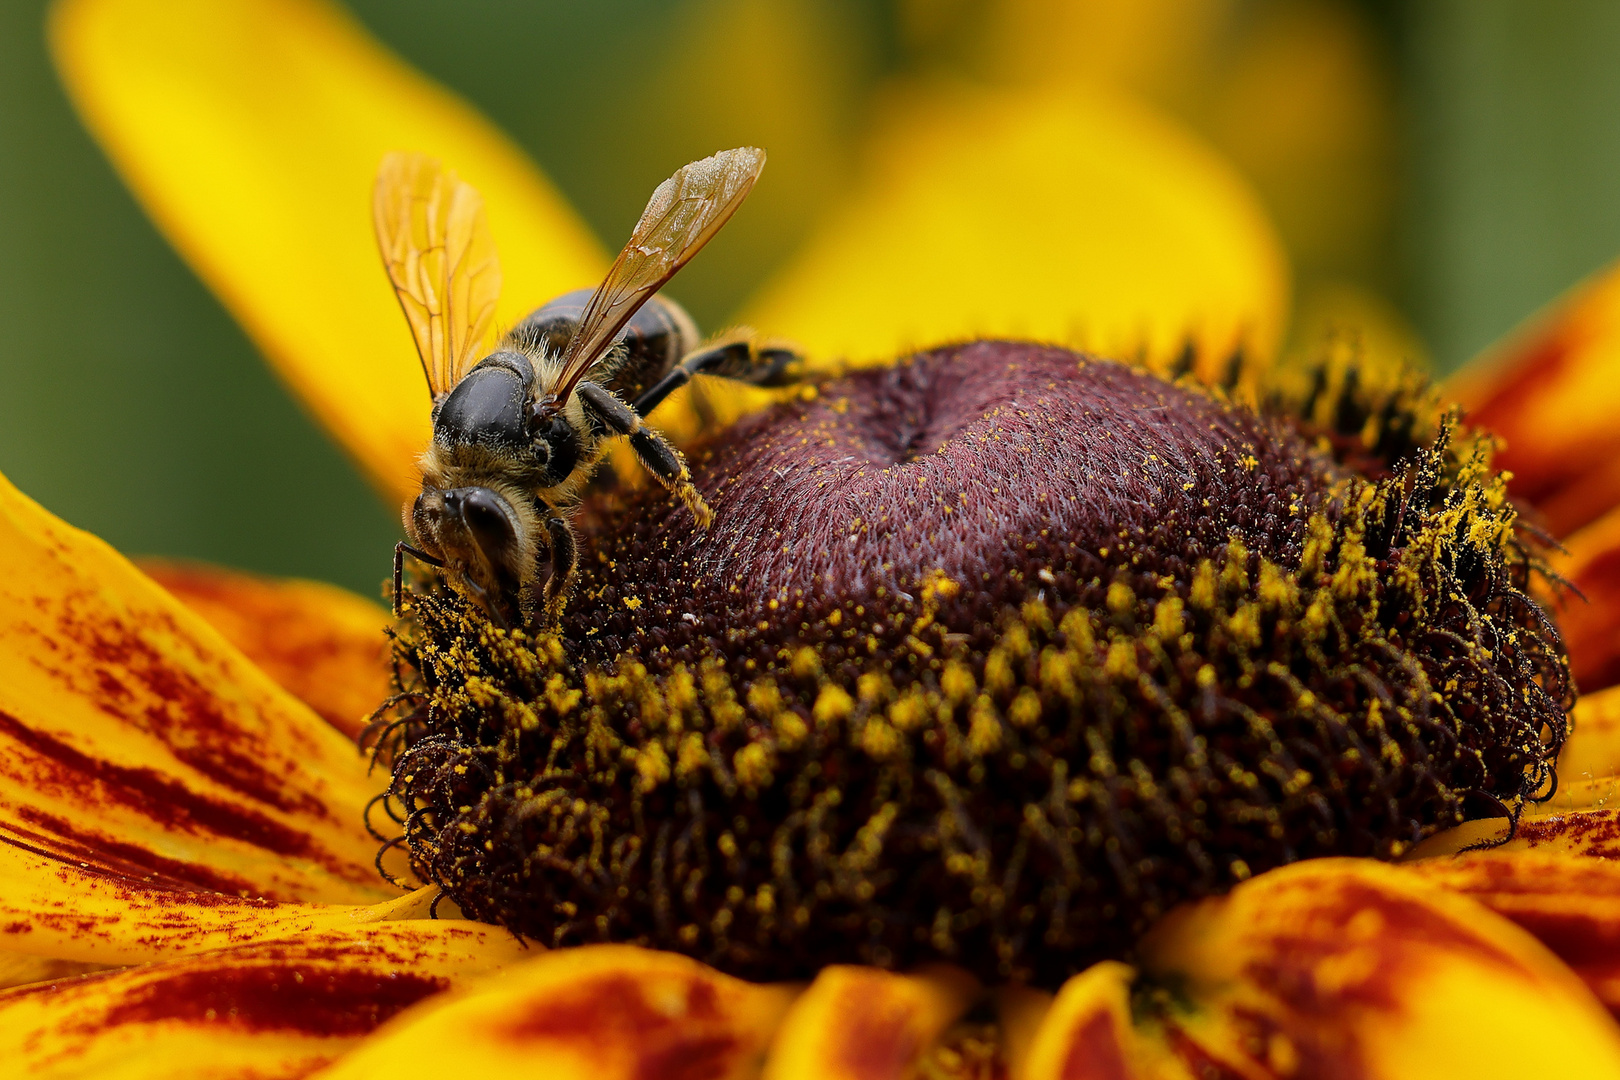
{"x":518,"y":434}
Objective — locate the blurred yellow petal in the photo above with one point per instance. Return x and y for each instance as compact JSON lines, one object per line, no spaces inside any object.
{"x":1082,"y":220}
{"x":135,"y":740}
{"x":1150,"y":47}
{"x":1367,"y":969}
{"x":60,"y":909}
{"x":280,"y":1008}
{"x":599,"y":1012}
{"x":862,"y":1023}
{"x":322,"y":644}
{"x":1571,"y":905}
{"x":251,"y":132}
{"x":1549,"y":390}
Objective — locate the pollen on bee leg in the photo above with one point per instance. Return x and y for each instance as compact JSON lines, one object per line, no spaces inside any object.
{"x":1159,"y":643}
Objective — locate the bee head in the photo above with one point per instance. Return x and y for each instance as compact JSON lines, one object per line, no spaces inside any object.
{"x":479,"y":536}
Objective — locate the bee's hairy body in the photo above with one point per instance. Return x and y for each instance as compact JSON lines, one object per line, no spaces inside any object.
{"x":518,"y":435}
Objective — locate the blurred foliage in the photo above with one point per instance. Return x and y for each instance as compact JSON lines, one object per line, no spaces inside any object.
{"x":1446,"y":165}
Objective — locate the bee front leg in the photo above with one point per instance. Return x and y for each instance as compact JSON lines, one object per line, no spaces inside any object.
{"x":402,"y":549}
{"x":734,"y":355}
{"x":661,"y":459}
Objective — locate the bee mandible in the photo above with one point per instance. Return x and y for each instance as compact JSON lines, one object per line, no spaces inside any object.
{"x":518,"y":434}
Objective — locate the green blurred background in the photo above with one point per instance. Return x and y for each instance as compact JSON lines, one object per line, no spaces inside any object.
{"x":1438,"y":169}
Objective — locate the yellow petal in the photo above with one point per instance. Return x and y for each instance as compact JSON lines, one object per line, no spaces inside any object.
{"x":1365,"y":968}
{"x":862,"y":1023}
{"x":251,"y":132}
{"x":279,"y":1008}
{"x":322,"y":644}
{"x":135,"y":740}
{"x":1590,"y":618}
{"x":1082,"y":220}
{"x":1569,"y":903}
{"x":598,"y":1012}
{"x":1550,"y":390}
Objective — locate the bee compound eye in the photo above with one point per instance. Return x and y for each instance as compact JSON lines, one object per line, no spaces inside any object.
{"x":486,"y":518}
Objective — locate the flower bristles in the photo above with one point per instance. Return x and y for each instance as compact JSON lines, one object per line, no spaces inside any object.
{"x":992,"y":656}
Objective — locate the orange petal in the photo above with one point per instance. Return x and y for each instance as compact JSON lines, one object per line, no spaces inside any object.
{"x":1570,"y":904}
{"x":862,"y":1023}
{"x":598,"y":1012}
{"x":323,"y":644}
{"x":1080,"y":219}
{"x":251,"y":132}
{"x":1349,"y":967}
{"x":135,"y":740}
{"x":1590,"y":618}
{"x":279,"y":1008}
{"x":1550,"y":390}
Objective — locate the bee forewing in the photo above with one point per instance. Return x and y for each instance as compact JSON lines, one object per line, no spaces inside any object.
{"x":440,"y":256}
{"x":683,"y":214}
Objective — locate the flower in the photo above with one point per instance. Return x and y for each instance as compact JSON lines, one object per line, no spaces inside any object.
{"x":170,"y":812}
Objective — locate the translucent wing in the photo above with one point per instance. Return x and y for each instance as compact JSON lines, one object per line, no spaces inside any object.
{"x":439,"y":254}
{"x":682,"y":215}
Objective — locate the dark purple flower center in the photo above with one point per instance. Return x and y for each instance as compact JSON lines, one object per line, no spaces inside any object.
{"x":991,"y":656}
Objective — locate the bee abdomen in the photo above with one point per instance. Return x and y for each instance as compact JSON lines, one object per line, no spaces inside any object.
{"x":655,"y":339}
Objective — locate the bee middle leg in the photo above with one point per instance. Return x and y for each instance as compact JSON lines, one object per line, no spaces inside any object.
{"x":661,"y":459}
{"x":734,"y":356}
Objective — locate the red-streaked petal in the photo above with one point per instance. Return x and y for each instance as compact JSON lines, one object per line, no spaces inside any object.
{"x":1550,"y":391}
{"x":272,"y":1009}
{"x":61,"y":909}
{"x":1590,"y":617}
{"x":862,"y":1023}
{"x":600,"y":1012}
{"x":1349,"y":967}
{"x":1088,"y":1034}
{"x":251,"y":132}
{"x":135,"y":741}
{"x":1570,"y":903}
{"x":323,"y":644}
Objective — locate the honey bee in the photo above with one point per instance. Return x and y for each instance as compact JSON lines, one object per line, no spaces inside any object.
{"x":518,"y":434}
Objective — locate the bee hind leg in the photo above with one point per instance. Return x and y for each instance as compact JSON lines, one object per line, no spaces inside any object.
{"x":665,"y":462}
{"x":735,"y":355}
{"x":669,"y":466}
